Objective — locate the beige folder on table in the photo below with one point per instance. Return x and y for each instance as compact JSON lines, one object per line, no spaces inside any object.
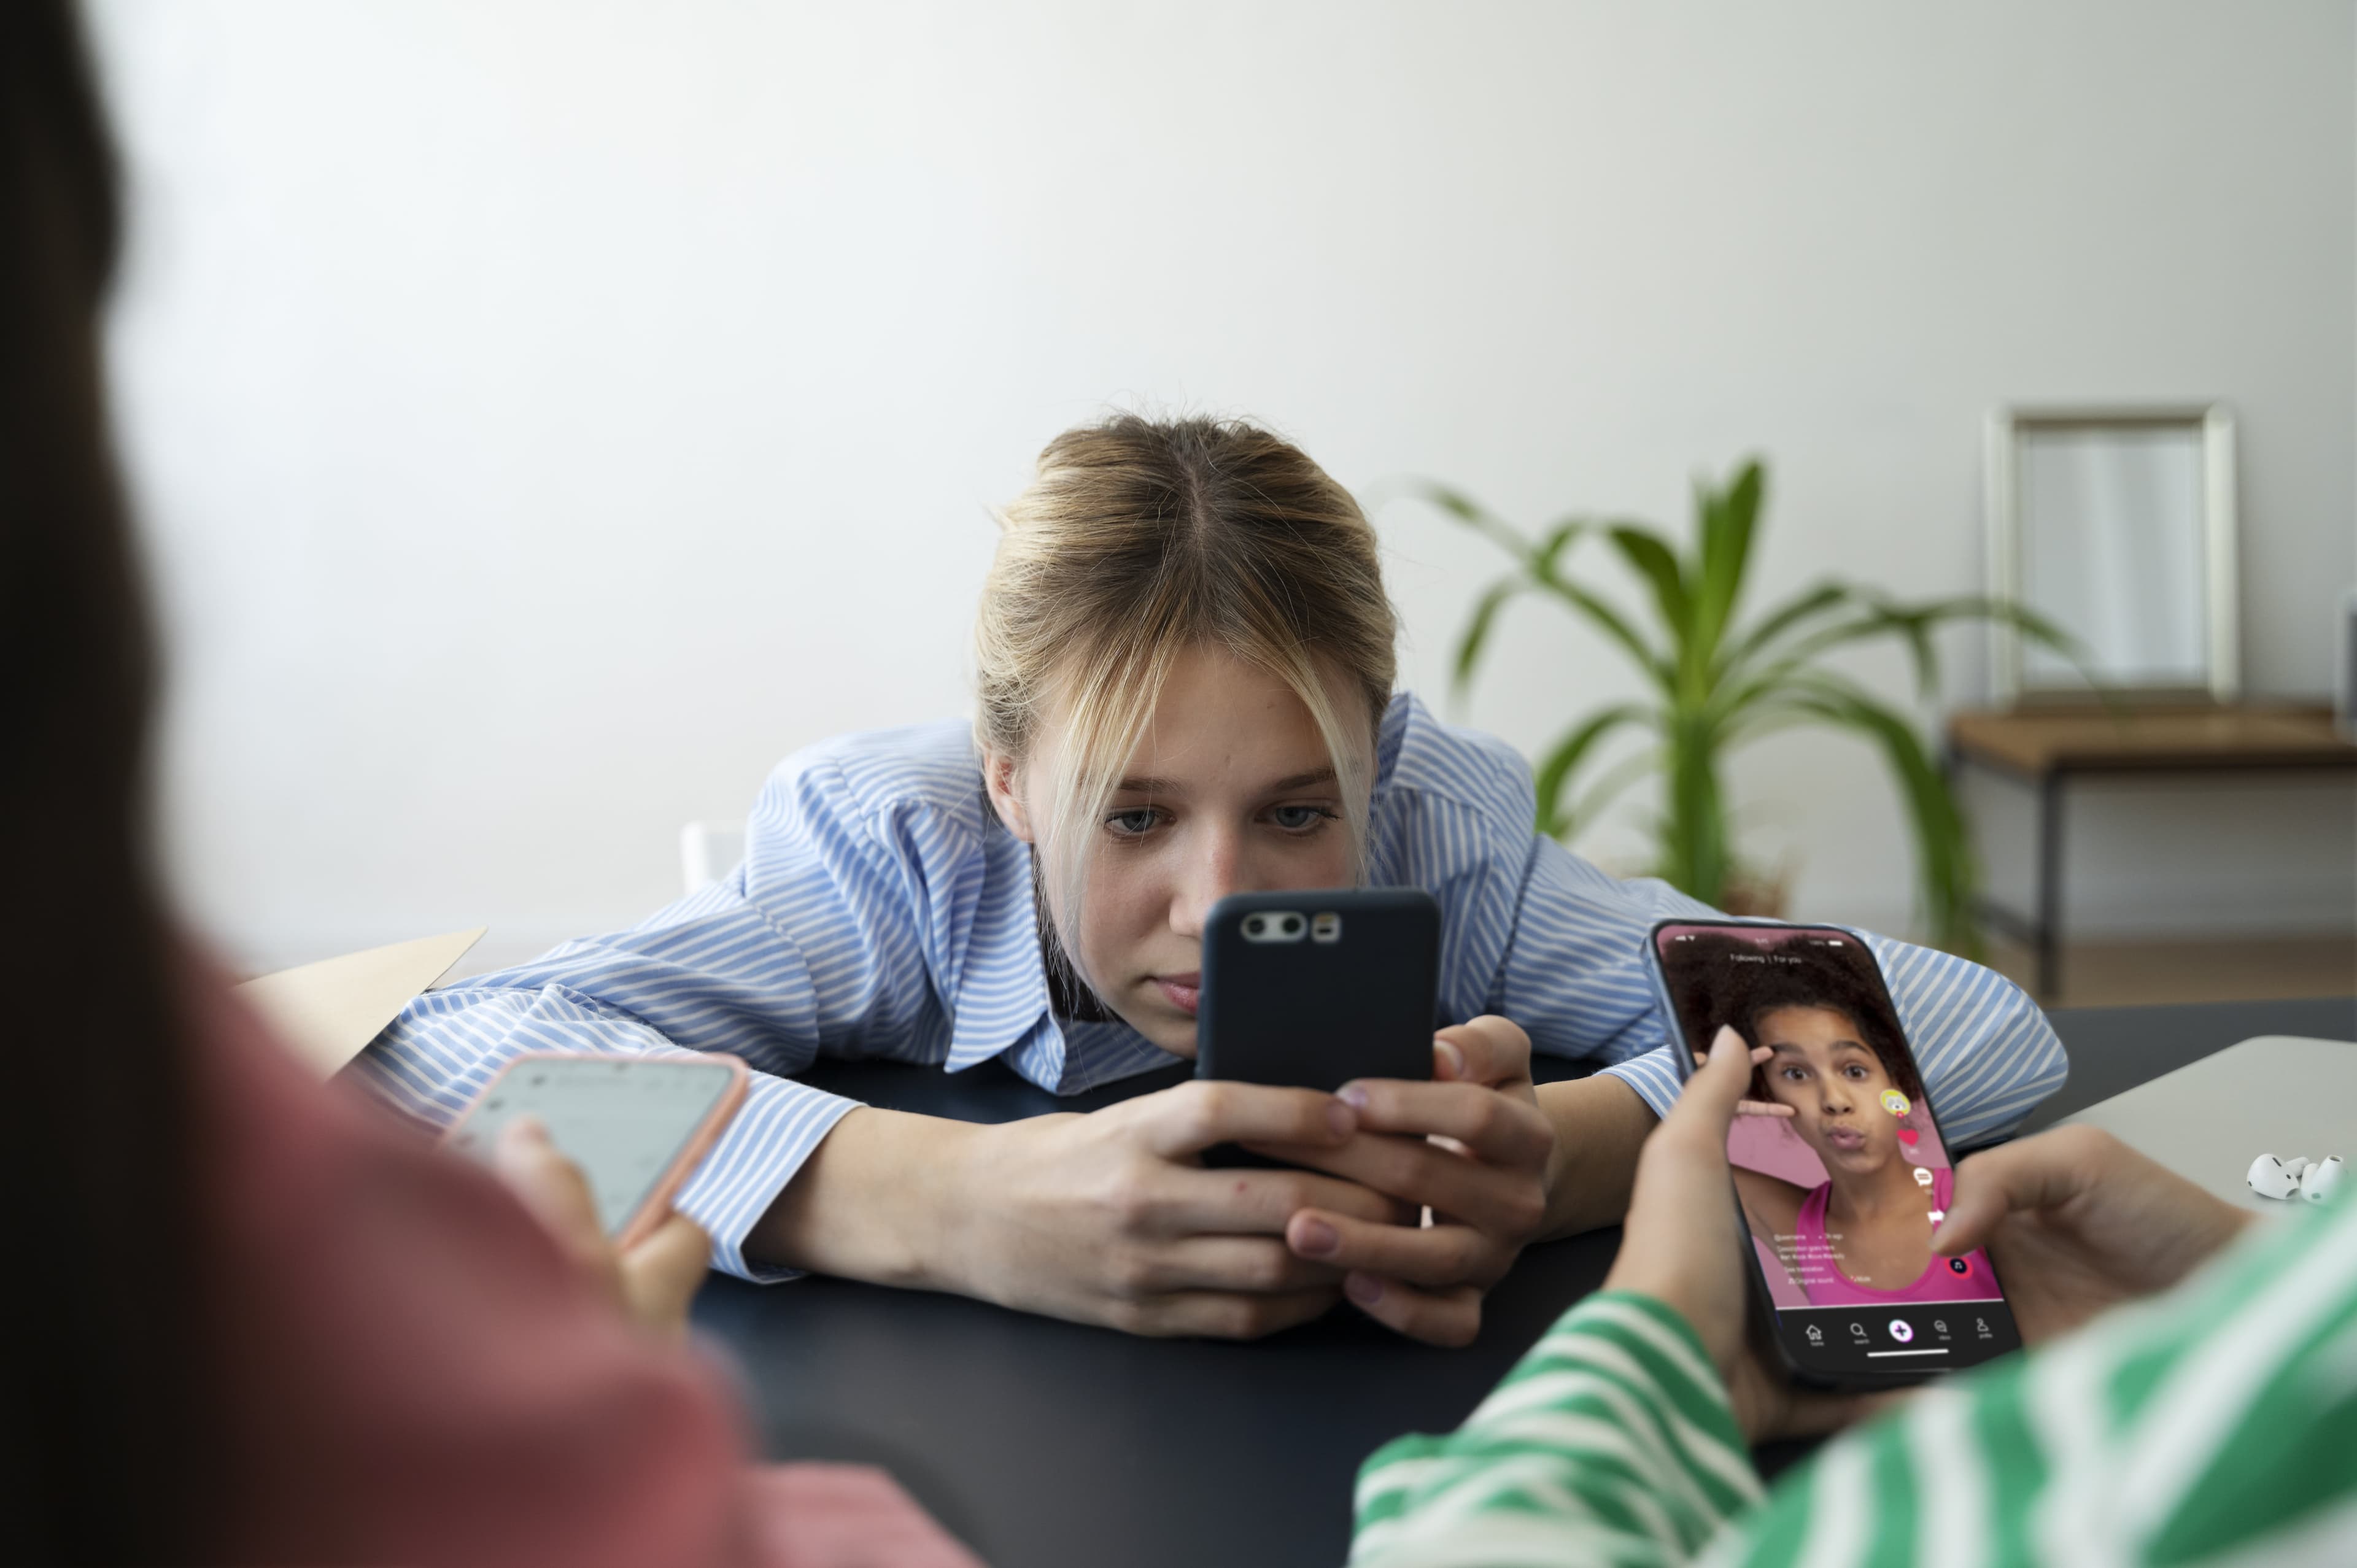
{"x":329,"y":1011}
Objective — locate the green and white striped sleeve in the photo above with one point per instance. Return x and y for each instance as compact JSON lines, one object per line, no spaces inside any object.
{"x":1609,"y":1442}
{"x":2212,"y":1426}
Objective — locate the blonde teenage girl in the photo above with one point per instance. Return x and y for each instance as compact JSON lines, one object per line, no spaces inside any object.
{"x":1185,"y":691}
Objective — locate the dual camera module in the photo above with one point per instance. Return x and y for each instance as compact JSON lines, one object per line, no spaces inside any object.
{"x":1288,"y":926}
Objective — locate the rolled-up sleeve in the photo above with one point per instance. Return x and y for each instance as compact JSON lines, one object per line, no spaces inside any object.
{"x":1575,"y":978}
{"x":814,"y":946}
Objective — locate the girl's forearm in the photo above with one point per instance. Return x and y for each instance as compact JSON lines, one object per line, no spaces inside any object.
{"x":1599,"y":1125}
{"x":872,"y":1202}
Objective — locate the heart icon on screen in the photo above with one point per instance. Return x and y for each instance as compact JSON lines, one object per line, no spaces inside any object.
{"x":1907,"y":1135}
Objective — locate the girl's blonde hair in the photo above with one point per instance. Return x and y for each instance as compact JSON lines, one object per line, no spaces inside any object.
{"x":1139,"y":538}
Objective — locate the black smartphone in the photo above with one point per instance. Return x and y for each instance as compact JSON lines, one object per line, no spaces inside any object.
{"x":1843,"y":1177}
{"x":1311,"y":990}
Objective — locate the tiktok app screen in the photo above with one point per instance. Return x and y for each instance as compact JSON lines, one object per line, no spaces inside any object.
{"x":1839,"y":1166}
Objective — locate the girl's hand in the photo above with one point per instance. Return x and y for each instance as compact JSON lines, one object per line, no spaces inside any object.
{"x":652,"y":1283}
{"x":2076,"y":1222}
{"x":1112,"y":1219}
{"x":1478,"y":1151}
{"x":1684,"y":1245}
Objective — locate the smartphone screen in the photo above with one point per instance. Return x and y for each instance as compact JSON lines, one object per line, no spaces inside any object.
{"x":623,"y":1120}
{"x":1843,"y":1179}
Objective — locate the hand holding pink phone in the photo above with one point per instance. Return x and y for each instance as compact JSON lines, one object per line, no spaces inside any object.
{"x":635,"y":1126}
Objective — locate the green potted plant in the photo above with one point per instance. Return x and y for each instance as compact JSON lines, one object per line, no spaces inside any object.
{"x":1718,"y":680}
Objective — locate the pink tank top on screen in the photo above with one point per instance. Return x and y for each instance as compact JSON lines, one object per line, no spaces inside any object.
{"x":1940,"y":1280}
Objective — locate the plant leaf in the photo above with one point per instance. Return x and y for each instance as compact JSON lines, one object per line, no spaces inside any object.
{"x":1801,"y":607}
{"x":1562,"y":759}
{"x":1605,"y":790}
{"x":1565,"y":532}
{"x":1473,"y":514}
{"x":1612,"y":622}
{"x":1655,"y":562}
{"x":1728,"y":521}
{"x":1877,"y":616}
{"x":1945,"y":874}
{"x":1476,"y":636}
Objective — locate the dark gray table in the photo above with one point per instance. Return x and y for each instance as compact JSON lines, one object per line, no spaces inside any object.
{"x":1044,"y":1444}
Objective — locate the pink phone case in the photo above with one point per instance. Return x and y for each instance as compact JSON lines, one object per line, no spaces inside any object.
{"x":653,"y":1210}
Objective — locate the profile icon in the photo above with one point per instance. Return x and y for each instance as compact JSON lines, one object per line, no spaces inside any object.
{"x":1896,"y":1103}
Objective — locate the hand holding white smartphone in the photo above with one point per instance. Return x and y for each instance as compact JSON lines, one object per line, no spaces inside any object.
{"x":637,"y":1126}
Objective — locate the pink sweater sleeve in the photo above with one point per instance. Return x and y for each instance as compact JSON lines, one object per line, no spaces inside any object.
{"x":416,"y":1374}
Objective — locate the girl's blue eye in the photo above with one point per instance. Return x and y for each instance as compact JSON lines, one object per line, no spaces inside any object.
{"x":1133,"y":822}
{"x":1300,"y":818}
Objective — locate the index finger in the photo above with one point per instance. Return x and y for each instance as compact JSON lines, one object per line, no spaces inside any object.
{"x":1492,"y":1125}
{"x":550,"y":1185}
{"x":1194,"y":1116}
{"x":1708,"y":1101}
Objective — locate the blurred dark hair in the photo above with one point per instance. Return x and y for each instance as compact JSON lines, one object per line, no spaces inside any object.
{"x":1719,"y":980}
{"x":105,"y":1457}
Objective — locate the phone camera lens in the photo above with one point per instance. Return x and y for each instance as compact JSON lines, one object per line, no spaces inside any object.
{"x":1256,"y":925}
{"x":1293,"y":925}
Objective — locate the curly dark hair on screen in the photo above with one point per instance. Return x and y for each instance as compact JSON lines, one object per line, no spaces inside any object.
{"x":1740,"y":989}
{"x":1815,"y":982}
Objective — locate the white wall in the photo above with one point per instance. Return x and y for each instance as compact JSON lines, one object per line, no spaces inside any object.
{"x":547,"y":415}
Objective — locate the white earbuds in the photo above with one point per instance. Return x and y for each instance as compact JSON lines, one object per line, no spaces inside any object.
{"x":2270,"y":1177}
{"x":2299,"y":1176}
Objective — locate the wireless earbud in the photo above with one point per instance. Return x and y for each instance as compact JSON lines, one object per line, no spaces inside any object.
{"x":2297,"y":1176}
{"x":2268,"y":1177}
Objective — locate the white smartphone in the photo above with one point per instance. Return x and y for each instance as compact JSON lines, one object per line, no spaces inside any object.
{"x":637,"y":1126}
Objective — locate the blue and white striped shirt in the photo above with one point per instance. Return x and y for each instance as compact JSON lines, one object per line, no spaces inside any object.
{"x":883,"y":910}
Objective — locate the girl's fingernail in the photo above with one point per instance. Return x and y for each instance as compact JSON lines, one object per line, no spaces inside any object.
{"x":1451,"y":1058}
{"x":1317,"y":1239}
{"x":1364,"y":1289}
{"x":1353,"y":1095}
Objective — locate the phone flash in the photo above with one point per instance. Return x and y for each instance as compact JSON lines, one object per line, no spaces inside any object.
{"x":1325,"y":928}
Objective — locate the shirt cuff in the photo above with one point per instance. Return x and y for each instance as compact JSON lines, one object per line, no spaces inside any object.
{"x":1655,"y":1076}
{"x":776,"y":1129}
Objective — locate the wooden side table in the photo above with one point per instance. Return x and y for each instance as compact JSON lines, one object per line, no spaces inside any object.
{"x":2042,"y":750}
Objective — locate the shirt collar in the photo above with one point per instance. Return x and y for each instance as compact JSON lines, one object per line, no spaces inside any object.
{"x":1001,"y":1006}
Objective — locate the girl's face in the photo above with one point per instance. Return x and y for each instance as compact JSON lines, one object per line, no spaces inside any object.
{"x":1231,"y":790}
{"x":1833,"y":1082}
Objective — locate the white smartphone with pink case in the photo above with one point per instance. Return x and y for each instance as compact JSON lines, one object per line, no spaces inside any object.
{"x":637,"y":1126}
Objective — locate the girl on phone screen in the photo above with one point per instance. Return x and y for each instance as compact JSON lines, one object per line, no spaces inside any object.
{"x":1838,"y":1080}
{"x":1185,"y":689}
